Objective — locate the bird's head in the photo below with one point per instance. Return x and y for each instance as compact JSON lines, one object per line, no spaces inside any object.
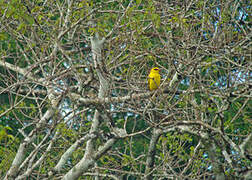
{"x":155,"y":70}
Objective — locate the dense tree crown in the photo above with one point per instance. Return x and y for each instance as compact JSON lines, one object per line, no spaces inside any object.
{"x":74,"y":96}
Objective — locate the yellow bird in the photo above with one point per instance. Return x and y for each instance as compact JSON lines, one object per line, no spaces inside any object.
{"x":154,"y":78}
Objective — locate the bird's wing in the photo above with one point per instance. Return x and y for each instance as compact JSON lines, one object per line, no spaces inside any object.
{"x":149,"y":79}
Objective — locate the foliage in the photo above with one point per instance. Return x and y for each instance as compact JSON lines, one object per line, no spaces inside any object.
{"x":74,"y":97}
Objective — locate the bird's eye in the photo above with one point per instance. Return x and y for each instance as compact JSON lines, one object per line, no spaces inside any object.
{"x":156,"y":69}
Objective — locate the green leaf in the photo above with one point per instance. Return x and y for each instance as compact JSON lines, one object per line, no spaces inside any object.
{"x":21,"y":26}
{"x":30,"y":20}
{"x":3,"y":36}
{"x":138,"y":2}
